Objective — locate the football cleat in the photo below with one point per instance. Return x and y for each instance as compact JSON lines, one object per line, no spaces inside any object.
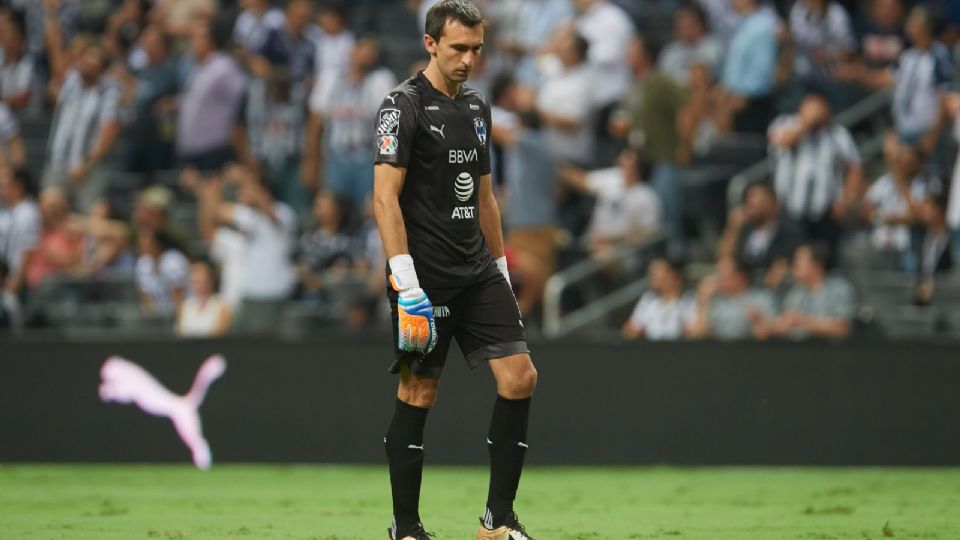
{"x":511,"y":530}
{"x":416,"y":534}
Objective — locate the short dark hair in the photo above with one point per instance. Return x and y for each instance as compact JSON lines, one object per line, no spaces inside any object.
{"x":18,"y":18}
{"x":761,"y":185}
{"x":650,"y":47}
{"x":581,"y":45}
{"x":24,"y":178}
{"x":675,"y":264}
{"x":819,"y":252}
{"x":461,"y":11}
{"x":698,"y":12}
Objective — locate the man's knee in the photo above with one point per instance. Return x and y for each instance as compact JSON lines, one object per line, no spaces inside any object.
{"x":417,"y":391}
{"x":519,"y":381}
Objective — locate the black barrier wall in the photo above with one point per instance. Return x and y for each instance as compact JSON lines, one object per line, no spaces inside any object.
{"x":329,"y":401}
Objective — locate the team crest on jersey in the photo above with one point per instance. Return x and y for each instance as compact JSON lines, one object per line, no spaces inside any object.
{"x":387,"y":145}
{"x":480,"y":127}
{"x":389,"y":122}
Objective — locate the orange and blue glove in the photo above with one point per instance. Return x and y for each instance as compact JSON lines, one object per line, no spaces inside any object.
{"x":418,"y":330}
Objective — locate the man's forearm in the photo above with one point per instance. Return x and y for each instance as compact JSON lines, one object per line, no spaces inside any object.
{"x":108,"y":135}
{"x":491,"y":227}
{"x":393,"y":231}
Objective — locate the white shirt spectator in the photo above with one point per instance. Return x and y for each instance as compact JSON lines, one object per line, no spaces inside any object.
{"x":660,"y":319}
{"x":953,"y":206}
{"x":831,"y":34}
{"x":568,"y":95}
{"x":809,"y":176}
{"x":19,"y":232}
{"x":608,"y":29}
{"x":621,"y":209}
{"x":250,"y":31}
{"x":81,"y":113}
{"x":269,"y":268}
{"x":888,"y":203}
{"x":229,"y":250}
{"x":198,"y":320}
{"x":349,"y":110}
{"x":9,"y":130}
{"x":677,"y":57}
{"x":922,"y":78}
{"x":17,"y":76}
{"x":332,"y":61}
{"x":159,"y":278}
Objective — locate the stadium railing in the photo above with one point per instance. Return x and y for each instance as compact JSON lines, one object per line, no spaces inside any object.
{"x":597,"y":303}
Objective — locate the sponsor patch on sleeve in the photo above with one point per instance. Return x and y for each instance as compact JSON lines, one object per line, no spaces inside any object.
{"x":387,"y":144}
{"x":389,"y":122}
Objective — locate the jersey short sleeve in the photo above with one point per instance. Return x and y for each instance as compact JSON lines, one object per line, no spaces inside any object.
{"x":396,"y":126}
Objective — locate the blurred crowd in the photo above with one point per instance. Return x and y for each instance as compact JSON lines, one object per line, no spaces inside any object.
{"x":217,"y":155}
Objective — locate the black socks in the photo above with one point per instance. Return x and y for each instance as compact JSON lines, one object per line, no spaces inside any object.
{"x":404,"y":444}
{"x":507,"y":443}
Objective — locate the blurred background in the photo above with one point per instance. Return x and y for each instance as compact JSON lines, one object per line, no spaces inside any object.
{"x":728,"y":169}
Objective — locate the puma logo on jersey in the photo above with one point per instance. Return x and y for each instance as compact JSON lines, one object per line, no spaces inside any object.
{"x":440,"y":312}
{"x":392,"y":98}
{"x":438,"y":130}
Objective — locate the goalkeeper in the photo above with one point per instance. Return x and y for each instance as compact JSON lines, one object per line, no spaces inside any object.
{"x":440,"y":226}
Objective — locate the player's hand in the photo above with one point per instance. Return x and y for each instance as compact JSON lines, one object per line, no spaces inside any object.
{"x":418,"y":330}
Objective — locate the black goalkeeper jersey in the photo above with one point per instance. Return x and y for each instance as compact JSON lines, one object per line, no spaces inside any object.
{"x":443,"y":143}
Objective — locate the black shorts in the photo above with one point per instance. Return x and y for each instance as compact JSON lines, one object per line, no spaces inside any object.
{"x":483,"y":317}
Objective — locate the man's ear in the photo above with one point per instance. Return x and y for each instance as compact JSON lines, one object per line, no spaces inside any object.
{"x":430,"y":44}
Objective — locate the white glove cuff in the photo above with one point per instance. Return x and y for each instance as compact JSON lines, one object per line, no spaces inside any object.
{"x":502,"y":265}
{"x":403,"y":274}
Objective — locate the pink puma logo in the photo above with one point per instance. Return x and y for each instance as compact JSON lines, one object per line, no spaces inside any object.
{"x":126,"y":382}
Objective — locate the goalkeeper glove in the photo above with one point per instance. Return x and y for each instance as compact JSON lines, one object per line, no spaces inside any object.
{"x":418,"y":331}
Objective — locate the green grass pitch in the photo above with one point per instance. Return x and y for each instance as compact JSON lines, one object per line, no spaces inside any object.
{"x":334,"y":502}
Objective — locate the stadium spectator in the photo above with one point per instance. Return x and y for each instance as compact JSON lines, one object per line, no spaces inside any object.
{"x":148,"y":134}
{"x":564,"y":102}
{"x":325,"y":252}
{"x":748,"y":70}
{"x":933,"y":251}
{"x":19,"y":225}
{"x":952,"y":106}
{"x":892,"y":203}
{"x":203,"y":313}
{"x":627,"y":210}
{"x":105,"y":242}
{"x":528,"y":170}
{"x":123,"y":31}
{"x":647,"y":117}
{"x":698,"y":124}
{"x":180,"y":17}
{"x":86,"y":125}
{"x":534,"y":24}
{"x":692,"y":44}
{"x":335,"y":51}
{"x":209,"y":106}
{"x":922,"y":77}
{"x":818,"y":304}
{"x":882,"y":40}
{"x":817,"y":172}
{"x":822,"y":38}
{"x":162,"y":273}
{"x":758,"y":237}
{"x":340,"y":126}
{"x":729,"y":308}
{"x":269,"y":227}
{"x":607,"y":29}
{"x":13,"y":154}
{"x":290,"y":45}
{"x":254,"y":24}
{"x":666,"y":311}
{"x":60,"y":250}
{"x":39,"y":13}
{"x":9,"y":303}
{"x":17,"y":65}
{"x":274,"y":127}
